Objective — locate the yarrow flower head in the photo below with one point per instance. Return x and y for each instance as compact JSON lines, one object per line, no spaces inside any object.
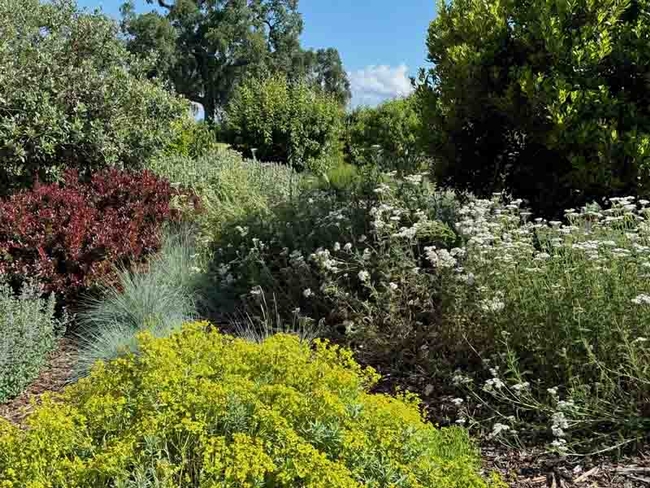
{"x":498,"y":428}
{"x":493,"y":305}
{"x":641,"y":299}
{"x":519,"y":387}
{"x":307,"y":293}
{"x":440,"y":258}
{"x":492,"y":384}
{"x":364,"y":276}
{"x":413,"y":179}
{"x":560,"y":445}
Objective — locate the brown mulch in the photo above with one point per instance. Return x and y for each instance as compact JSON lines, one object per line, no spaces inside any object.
{"x":53,"y":378}
{"x":529,"y":469}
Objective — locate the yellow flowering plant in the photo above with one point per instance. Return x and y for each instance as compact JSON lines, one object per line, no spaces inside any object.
{"x":203,"y":409}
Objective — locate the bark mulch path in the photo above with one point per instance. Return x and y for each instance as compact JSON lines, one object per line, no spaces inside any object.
{"x":523,"y":469}
{"x":54,"y":376}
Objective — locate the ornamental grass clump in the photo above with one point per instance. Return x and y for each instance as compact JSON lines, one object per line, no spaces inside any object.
{"x":230,"y":187}
{"x":159,"y":298}
{"x":202,"y":409}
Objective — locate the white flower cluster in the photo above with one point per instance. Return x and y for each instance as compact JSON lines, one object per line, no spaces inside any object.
{"x":493,"y":305}
{"x":324,"y":259}
{"x":498,"y":429}
{"x":559,"y":424}
{"x":493,"y":384}
{"x":641,"y":299}
{"x":440,"y":258}
{"x":501,"y":239}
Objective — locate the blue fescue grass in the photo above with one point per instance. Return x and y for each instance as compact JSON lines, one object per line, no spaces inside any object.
{"x":159,"y":299}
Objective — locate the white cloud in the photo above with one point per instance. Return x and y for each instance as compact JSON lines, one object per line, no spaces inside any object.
{"x":374,"y":84}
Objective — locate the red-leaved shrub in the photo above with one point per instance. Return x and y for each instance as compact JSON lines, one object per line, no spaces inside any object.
{"x":70,"y":236}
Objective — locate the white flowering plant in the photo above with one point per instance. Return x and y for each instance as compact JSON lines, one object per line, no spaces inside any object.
{"x":564,"y":308}
{"x":421,"y":287}
{"x":364,"y":265}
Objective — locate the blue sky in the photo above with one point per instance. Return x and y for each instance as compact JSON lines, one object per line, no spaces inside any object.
{"x":382,"y":42}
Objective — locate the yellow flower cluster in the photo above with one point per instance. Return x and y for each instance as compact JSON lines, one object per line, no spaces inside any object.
{"x":203,"y":409}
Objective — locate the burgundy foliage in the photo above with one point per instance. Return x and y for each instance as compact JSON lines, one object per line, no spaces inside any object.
{"x":71,"y":236}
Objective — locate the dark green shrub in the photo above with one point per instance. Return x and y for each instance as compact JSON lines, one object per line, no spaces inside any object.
{"x":284,"y":121}
{"x":71,"y":96}
{"x":29,"y":332}
{"x":549,"y":100}
{"x":388,"y":135}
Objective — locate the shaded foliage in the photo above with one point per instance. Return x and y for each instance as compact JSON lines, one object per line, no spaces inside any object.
{"x":547,"y":100}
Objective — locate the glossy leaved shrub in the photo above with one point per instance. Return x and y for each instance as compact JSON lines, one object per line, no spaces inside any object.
{"x":69,"y":236}
{"x":203,"y":409}
{"x":546,"y":100}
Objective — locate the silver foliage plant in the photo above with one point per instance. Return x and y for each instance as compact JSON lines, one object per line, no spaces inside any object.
{"x":28,"y":333}
{"x":159,"y":300}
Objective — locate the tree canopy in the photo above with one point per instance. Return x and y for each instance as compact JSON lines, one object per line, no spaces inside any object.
{"x":206,"y":47}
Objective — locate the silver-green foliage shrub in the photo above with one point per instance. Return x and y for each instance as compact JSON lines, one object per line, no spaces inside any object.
{"x":71,"y":94}
{"x":28,"y":332}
